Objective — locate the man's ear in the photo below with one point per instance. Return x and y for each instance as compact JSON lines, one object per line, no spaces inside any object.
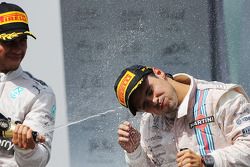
{"x":159,"y":73}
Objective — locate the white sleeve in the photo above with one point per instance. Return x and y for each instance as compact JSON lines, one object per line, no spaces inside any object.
{"x":39,"y":156}
{"x":233,"y":117}
{"x":41,"y":116}
{"x":138,"y":158}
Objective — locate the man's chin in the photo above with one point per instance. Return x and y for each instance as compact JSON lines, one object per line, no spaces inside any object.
{"x":12,"y":68}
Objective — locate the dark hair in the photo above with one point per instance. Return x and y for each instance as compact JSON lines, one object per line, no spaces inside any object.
{"x":169,"y":75}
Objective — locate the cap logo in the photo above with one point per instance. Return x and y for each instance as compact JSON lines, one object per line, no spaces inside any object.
{"x":13,"y":35}
{"x":13,"y":17}
{"x":123,"y":85}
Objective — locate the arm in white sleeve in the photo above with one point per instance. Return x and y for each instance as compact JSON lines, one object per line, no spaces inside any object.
{"x":40,"y":117}
{"x":233,"y":117}
{"x":138,"y":158}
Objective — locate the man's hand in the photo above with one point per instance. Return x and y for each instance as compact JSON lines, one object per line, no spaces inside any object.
{"x":188,"y":158}
{"x":128,"y":137}
{"x":22,"y":137}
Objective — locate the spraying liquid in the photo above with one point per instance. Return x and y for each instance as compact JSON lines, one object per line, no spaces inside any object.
{"x":81,"y":120}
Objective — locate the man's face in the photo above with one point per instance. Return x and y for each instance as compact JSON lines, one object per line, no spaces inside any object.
{"x":156,"y":95}
{"x":11,"y":53}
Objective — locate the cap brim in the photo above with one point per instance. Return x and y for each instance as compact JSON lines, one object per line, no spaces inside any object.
{"x":14,"y":35}
{"x":131,"y":108}
{"x":30,"y":34}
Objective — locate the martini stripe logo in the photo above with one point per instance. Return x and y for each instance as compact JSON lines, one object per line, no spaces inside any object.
{"x":201,"y":124}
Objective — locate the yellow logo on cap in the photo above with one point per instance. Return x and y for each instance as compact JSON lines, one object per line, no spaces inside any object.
{"x":13,"y":17}
{"x":12,"y":35}
{"x":123,"y":85}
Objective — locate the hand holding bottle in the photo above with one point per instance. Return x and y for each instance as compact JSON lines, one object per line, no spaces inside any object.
{"x":23,"y":137}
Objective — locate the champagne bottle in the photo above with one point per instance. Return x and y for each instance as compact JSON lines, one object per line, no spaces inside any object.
{"x":7,"y":128}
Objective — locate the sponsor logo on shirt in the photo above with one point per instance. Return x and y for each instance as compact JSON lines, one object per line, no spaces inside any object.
{"x":53,"y":111}
{"x":157,"y":137}
{"x":243,"y":113}
{"x":246,"y":131}
{"x":242,"y":119}
{"x":16,"y":92}
{"x":201,"y":122}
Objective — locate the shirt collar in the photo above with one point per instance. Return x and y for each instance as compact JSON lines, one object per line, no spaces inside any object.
{"x":184,"y":106}
{"x":10,"y":75}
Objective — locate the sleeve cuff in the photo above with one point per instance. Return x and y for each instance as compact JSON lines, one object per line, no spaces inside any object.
{"x":25,"y":152}
{"x":137,"y":154}
{"x":217,"y":159}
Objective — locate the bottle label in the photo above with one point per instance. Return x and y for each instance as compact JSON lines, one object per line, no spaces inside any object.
{"x":6,"y":146}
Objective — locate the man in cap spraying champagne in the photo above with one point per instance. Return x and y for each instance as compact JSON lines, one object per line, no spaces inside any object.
{"x":27,"y":105}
